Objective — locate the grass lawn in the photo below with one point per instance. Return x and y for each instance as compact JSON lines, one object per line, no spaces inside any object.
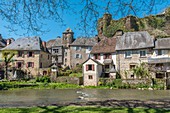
{"x":81,"y":109}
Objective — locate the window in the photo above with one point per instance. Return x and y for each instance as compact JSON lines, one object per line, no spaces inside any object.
{"x":20,"y":53}
{"x":19,"y":64}
{"x":41,"y":65}
{"x":41,"y":55}
{"x":90,"y":67}
{"x":159,"y":52}
{"x":106,"y":66}
{"x":89,"y":48}
{"x":30,"y":64}
{"x":78,"y":56}
{"x":48,"y":57}
{"x":128,"y":54}
{"x":142,"y":53}
{"x":78,"y":48}
{"x":132,"y":66}
{"x":56,"y":50}
{"x":97,"y":56}
{"x":90,"y":77}
{"x":30,"y":54}
{"x":107,"y":56}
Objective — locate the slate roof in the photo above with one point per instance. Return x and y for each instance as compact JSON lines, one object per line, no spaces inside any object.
{"x":2,"y":42}
{"x":83,"y":41}
{"x":28,"y":43}
{"x":54,"y":42}
{"x":163,"y":43}
{"x":93,"y":60}
{"x":106,"y":45}
{"x":135,"y":40}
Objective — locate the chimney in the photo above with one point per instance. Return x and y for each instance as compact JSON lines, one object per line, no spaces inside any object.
{"x":8,"y":41}
{"x":44,"y":44}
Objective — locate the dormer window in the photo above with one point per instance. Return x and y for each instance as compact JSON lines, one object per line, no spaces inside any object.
{"x":160,"y":52}
{"x":30,"y":54}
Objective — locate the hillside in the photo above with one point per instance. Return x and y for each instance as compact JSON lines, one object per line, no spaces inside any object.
{"x":157,"y":25}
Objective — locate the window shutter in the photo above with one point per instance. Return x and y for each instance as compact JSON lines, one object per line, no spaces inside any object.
{"x":22,"y":54}
{"x":110,"y":56}
{"x":27,"y":64}
{"x":86,"y":67}
{"x":32,"y":54}
{"x":93,"y":67}
{"x":32,"y":64}
{"x":16,"y":64}
{"x":27,"y":54}
{"x":99,"y":56}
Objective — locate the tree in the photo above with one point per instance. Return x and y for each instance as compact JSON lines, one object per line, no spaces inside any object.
{"x":7,"y":56}
{"x":31,"y":14}
{"x":141,"y":70}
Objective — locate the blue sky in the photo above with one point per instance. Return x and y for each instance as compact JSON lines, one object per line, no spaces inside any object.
{"x":72,"y":20}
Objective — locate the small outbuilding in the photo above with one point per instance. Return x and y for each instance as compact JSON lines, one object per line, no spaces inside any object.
{"x":92,"y":70}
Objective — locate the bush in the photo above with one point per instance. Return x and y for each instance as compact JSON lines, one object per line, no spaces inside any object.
{"x":44,"y":79}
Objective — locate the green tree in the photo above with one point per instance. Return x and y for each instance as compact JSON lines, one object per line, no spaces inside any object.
{"x":141,"y":70}
{"x":7,"y":57}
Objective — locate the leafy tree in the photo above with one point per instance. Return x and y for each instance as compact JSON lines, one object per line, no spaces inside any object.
{"x":31,"y":14}
{"x":7,"y":56}
{"x":141,"y":70}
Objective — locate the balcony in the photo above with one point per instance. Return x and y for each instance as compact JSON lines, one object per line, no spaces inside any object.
{"x":159,"y":60}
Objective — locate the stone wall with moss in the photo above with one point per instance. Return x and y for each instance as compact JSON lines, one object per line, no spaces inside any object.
{"x":156,"y":25}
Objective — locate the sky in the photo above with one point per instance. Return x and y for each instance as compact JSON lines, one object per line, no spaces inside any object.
{"x":71,"y":20}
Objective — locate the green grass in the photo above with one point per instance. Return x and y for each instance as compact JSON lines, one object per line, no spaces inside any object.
{"x":81,"y":109}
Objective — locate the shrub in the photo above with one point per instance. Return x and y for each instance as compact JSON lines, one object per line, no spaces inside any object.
{"x":44,"y":79}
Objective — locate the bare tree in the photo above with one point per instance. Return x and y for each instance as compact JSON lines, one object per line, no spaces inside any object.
{"x":31,"y":14}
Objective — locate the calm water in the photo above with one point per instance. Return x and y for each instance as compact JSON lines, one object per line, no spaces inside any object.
{"x":52,"y":96}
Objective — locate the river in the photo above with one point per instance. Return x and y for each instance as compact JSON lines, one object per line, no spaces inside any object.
{"x":29,"y":97}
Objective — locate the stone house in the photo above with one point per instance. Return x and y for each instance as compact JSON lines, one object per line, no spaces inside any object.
{"x":132,"y":49}
{"x":159,"y":61}
{"x":92,"y":71}
{"x":33,"y":57}
{"x":80,"y":50}
{"x":104,"y":52}
{"x":56,"y":49}
{"x":59,"y":48}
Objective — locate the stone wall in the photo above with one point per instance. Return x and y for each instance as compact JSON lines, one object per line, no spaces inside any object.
{"x":70,"y":80}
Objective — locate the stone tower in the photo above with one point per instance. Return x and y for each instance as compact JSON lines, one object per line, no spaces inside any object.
{"x":67,"y":37}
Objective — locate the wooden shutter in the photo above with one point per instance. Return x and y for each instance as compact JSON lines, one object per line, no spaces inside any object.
{"x":27,"y":64}
{"x":93,"y":67}
{"x":110,"y":56}
{"x":99,"y":56}
{"x":32,"y":64}
{"x":33,"y":54}
{"x":86,"y":67}
{"x":27,"y":54}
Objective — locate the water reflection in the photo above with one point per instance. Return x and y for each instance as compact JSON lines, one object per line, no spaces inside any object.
{"x":52,"y":96}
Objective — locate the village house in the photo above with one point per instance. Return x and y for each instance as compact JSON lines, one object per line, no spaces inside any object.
{"x":70,"y":52}
{"x":80,"y":50}
{"x":92,"y":71}
{"x":55,"y":47}
{"x":132,"y":49}
{"x":104,"y":52}
{"x":59,"y":48}
{"x":159,"y":61}
{"x":32,"y":56}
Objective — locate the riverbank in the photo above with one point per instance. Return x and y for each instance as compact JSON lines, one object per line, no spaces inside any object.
{"x":118,"y":106}
{"x":81,"y":109}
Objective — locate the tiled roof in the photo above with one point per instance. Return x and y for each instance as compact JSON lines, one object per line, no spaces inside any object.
{"x":163,"y":43}
{"x":54,"y":42}
{"x":28,"y":43}
{"x":106,"y":45}
{"x":84,"y":42}
{"x":134,"y":40}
